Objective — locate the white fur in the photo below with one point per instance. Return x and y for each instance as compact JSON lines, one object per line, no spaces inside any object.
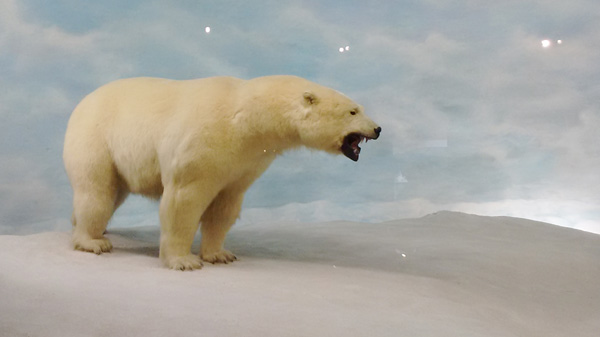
{"x":197,"y":145}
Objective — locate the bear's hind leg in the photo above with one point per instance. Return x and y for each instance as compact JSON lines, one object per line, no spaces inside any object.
{"x":93,"y":208}
{"x":216,"y":222}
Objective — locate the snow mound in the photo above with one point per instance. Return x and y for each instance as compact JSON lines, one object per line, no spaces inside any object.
{"x":446,"y":274}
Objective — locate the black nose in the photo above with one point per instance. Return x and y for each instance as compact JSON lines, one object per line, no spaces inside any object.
{"x":378,"y":131}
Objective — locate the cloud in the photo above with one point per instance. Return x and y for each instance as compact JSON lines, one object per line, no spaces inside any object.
{"x":27,"y":193}
{"x":49,"y":69}
{"x":31,"y":47}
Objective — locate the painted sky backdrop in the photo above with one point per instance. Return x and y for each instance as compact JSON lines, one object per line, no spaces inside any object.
{"x":478,"y":114}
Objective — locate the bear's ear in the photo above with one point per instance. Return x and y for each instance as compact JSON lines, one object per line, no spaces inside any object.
{"x":310,"y":98}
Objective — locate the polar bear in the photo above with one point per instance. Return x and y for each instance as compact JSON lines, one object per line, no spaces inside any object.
{"x":197,"y":145}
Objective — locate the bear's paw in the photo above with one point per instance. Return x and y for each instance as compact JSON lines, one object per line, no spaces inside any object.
{"x":97,"y":246}
{"x":187,"y":262}
{"x":222,"y":256}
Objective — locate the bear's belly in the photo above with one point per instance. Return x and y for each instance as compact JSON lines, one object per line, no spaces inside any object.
{"x":151,"y":188}
{"x":140,"y":174}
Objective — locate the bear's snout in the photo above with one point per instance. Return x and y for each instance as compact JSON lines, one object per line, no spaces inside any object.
{"x":377,"y":132}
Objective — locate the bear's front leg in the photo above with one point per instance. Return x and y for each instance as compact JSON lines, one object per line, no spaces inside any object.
{"x":216,"y":222}
{"x":180,"y":211}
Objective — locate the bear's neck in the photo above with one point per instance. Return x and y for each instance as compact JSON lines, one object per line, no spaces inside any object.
{"x":266,"y":131}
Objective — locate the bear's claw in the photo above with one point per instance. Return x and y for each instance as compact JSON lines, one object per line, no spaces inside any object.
{"x":222,"y":256}
{"x":97,"y":246}
{"x":188,"y":262}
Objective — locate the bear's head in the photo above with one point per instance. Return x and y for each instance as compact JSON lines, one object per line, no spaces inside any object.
{"x":332,"y":122}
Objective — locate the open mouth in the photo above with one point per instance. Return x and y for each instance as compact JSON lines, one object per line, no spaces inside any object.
{"x":350,"y":146}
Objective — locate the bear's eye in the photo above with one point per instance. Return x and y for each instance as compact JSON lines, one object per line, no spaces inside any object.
{"x":353,"y":112}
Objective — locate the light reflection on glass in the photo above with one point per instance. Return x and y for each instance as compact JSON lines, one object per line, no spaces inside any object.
{"x":401,"y":178}
{"x":546,"y":43}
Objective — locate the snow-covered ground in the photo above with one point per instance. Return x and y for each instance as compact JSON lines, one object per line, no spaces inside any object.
{"x":446,"y":274}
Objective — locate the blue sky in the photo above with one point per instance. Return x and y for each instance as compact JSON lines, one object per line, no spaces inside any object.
{"x":477,"y":116}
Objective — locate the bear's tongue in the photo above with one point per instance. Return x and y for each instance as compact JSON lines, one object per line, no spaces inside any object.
{"x":350,"y":146}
